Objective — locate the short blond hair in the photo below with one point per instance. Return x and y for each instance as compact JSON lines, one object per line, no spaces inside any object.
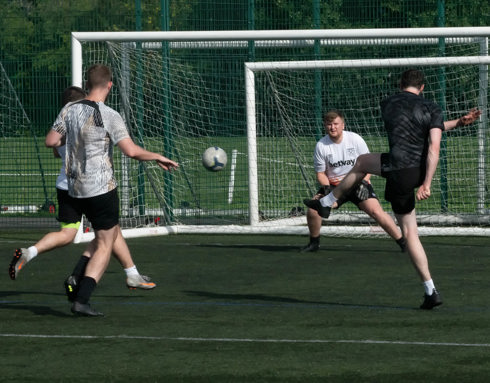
{"x":332,"y":115}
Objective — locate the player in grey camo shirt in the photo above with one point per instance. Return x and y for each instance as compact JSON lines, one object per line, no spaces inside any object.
{"x":94,"y":130}
{"x":90,"y":130}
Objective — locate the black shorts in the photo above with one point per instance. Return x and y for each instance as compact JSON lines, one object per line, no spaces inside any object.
{"x":400,"y":186}
{"x":352,"y":197}
{"x":67,"y":210}
{"x":102,"y":211}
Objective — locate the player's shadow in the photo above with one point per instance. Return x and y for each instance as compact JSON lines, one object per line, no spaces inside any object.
{"x":250,"y":297}
{"x":272,"y":248}
{"x":286,"y":301}
{"x":37,"y":309}
{"x":332,"y":248}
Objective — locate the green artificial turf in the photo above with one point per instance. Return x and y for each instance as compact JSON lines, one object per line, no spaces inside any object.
{"x":251,"y":309}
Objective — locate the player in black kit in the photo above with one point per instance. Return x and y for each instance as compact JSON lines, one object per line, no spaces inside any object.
{"x":414,"y":126}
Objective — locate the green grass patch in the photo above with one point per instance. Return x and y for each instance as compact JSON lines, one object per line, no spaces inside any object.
{"x":251,"y":309}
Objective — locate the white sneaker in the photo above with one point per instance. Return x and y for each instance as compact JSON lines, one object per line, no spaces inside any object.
{"x":19,"y":260}
{"x":140,"y":282}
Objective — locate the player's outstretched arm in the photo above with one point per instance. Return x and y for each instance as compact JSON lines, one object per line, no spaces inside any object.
{"x":467,"y":119}
{"x":130,"y":149}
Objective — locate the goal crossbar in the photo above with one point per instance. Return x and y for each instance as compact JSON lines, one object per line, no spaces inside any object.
{"x":263,"y":35}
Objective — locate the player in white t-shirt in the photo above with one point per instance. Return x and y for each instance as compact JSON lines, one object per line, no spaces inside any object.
{"x":335,"y":155}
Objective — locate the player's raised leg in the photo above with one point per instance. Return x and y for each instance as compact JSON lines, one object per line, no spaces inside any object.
{"x":365,"y":163}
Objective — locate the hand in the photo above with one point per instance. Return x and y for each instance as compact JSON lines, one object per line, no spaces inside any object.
{"x":167,"y":164}
{"x":362,"y":191}
{"x":423,"y":193}
{"x":469,"y":118}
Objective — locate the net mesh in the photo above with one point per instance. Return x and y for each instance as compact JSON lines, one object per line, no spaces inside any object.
{"x":22,"y":176}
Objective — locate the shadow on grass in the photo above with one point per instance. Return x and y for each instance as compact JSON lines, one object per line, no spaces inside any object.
{"x":280,"y":248}
{"x":254,"y":247}
{"x":288,"y":301}
{"x":35,"y":308}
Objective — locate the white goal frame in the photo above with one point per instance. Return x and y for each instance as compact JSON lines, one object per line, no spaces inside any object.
{"x":293,"y":38}
{"x":252,"y":67}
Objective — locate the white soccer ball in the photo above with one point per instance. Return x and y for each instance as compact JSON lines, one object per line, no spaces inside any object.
{"x":214,"y":158}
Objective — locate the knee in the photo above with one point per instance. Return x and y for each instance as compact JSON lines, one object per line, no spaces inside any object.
{"x":375,"y":213}
{"x":360,"y":162}
{"x":411,"y":233}
{"x":68,"y":235}
{"x":312,"y":215}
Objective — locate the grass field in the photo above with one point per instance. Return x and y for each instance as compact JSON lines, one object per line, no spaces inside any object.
{"x":251,"y":309}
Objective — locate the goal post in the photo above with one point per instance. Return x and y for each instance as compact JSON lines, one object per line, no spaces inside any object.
{"x":203,"y":90}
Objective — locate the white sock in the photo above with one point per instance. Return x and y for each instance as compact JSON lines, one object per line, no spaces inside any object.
{"x":31,"y":253}
{"x":328,"y":200}
{"x":131,"y":271}
{"x":429,"y":287}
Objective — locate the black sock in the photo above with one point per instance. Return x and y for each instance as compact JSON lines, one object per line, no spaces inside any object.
{"x":80,"y":267}
{"x":402,"y":242}
{"x":315,"y":240}
{"x":87,"y":287}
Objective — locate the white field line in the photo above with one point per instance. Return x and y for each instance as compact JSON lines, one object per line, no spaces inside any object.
{"x":249,"y":340}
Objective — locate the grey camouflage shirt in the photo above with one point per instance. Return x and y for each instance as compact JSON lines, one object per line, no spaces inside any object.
{"x":91,"y":130}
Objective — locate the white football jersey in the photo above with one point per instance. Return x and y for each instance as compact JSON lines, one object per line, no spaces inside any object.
{"x":338,"y":159}
{"x":61,"y":181}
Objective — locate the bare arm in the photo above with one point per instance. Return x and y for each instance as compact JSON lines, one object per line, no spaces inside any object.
{"x":130,"y":149}
{"x":467,"y":119}
{"x":54,"y":139}
{"x":322,"y":178}
{"x":432,"y":159}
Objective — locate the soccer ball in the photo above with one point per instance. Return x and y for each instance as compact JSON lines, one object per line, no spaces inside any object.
{"x":214,"y":158}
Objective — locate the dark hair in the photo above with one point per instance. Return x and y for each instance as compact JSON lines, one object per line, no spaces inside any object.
{"x":412,"y":78}
{"x":332,"y":115}
{"x":72,"y":93}
{"x":98,"y":75}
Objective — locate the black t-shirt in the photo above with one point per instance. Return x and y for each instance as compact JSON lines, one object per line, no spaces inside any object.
{"x":408,"y":119}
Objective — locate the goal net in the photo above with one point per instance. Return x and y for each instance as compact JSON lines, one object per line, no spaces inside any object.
{"x":260,"y":96}
{"x":22,"y":176}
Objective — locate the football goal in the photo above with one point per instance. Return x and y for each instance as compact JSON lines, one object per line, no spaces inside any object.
{"x":260,"y":96}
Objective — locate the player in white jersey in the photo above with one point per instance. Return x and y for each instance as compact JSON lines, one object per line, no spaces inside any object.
{"x":335,"y":155}
{"x":70,"y":222}
{"x":91,"y":129}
